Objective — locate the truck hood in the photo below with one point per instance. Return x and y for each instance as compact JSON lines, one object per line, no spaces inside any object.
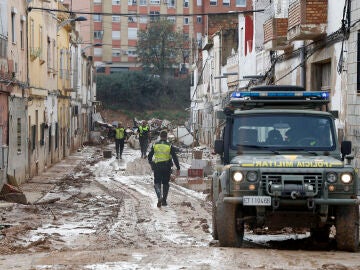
{"x":287,"y":161}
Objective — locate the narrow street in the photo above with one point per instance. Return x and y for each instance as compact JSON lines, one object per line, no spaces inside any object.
{"x":88,"y":212}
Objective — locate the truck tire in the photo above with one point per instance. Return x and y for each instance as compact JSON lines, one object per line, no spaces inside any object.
{"x":347,"y":228}
{"x":213,"y":213}
{"x":230,"y":233}
{"x":214,"y":225}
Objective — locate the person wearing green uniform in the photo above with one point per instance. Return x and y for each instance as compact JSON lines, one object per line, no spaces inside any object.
{"x":144,"y":137}
{"x":119,"y":140}
{"x":163,"y":153}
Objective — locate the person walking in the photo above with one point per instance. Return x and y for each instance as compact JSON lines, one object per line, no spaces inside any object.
{"x":119,"y":140}
{"x":144,"y":137}
{"x":163,"y":153}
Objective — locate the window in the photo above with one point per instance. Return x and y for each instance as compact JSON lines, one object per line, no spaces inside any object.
{"x":171,"y":19}
{"x":321,"y":73}
{"x":33,"y":137}
{"x":116,"y":2}
{"x":56,"y":135}
{"x":155,"y":2}
{"x":240,"y":3}
{"x":97,"y":1}
{"x":213,"y":2}
{"x":97,"y":18}
{"x":132,"y":19}
{"x":199,"y":3}
{"x":199,"y":19}
{"x":115,"y":35}
{"x":116,"y":18}
{"x":143,"y":19}
{"x":283,"y":131}
{"x":61,"y":63}
{"x":186,"y":20}
{"x":199,"y":39}
{"x":226,"y":3}
{"x":22,"y":34}
{"x":97,"y":51}
{"x":18,"y":135}
{"x":132,"y":52}
{"x":131,"y":2}
{"x":49,"y":52}
{"x":42,"y":134}
{"x":171,"y":3}
{"x":132,"y":33}
{"x":54,"y":54}
{"x":13,"y":34}
{"x":116,"y":52}
{"x":32,"y":35}
{"x":41,"y":41}
{"x":98,"y":34}
{"x":154,"y":15}
{"x":186,"y":3}
{"x":143,"y":3}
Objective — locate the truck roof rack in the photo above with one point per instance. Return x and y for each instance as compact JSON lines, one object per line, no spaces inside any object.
{"x":277,"y":88}
{"x":290,"y":97}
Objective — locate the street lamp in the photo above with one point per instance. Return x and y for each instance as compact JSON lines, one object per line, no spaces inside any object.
{"x":254,"y":77}
{"x":67,"y":21}
{"x":225,"y":75}
{"x":92,"y":45}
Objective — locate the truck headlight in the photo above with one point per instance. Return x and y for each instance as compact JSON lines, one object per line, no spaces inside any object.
{"x":251,"y":176}
{"x":346,"y":178}
{"x":238,"y":176}
{"x":331,"y":177}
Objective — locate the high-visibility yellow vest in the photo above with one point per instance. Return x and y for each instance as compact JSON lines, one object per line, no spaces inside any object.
{"x":143,"y":130}
{"x":119,"y":133}
{"x":162,"y":151}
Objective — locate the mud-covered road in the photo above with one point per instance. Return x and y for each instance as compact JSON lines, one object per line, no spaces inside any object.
{"x":103,"y":215}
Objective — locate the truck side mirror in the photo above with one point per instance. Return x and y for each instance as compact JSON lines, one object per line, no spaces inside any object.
{"x":345,"y":148}
{"x":219,"y":146}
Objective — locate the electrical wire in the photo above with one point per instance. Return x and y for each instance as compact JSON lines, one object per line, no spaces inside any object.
{"x":142,"y":14}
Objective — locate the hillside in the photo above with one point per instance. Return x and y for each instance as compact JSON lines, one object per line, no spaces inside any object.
{"x":178,"y":117}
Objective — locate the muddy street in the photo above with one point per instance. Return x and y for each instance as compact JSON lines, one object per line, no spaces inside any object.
{"x":97,"y":213}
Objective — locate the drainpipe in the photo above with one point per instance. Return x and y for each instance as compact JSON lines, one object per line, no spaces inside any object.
{"x":303,"y":66}
{"x":27,"y":52}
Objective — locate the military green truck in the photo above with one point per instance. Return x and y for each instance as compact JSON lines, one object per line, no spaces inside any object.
{"x":282,"y":166}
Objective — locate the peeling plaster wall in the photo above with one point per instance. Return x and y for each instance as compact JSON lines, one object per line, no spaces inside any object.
{"x":352,"y":123}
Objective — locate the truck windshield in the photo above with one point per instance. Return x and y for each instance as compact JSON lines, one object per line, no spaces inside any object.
{"x":283,"y":131}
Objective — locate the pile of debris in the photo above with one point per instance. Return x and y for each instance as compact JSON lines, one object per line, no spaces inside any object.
{"x":178,"y":135}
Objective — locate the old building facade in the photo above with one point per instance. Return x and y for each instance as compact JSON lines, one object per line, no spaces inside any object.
{"x":40,"y":86}
{"x":298,"y":42}
{"x":351,"y":69}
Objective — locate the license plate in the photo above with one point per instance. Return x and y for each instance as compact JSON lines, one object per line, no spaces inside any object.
{"x":257,"y":200}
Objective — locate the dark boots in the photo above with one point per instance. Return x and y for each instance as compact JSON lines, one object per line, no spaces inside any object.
{"x":165,"y":194}
{"x":161,"y":199}
{"x":158,"y":194}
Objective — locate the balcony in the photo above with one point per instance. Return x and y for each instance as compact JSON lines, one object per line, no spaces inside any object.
{"x":307,"y":19}
{"x":206,"y":43}
{"x":275,"y":34}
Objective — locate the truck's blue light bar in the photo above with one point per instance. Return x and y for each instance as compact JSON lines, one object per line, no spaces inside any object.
{"x":305,"y":94}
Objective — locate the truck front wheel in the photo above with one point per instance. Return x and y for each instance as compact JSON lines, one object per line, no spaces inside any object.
{"x":213,"y":212}
{"x":230,"y":229}
{"x":347,"y":228}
